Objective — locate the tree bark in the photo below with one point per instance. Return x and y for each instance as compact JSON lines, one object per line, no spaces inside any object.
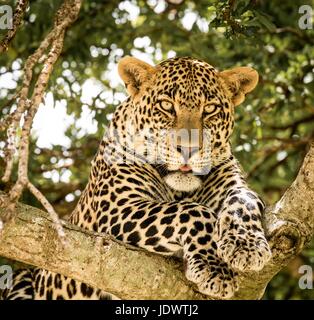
{"x":129,"y":273}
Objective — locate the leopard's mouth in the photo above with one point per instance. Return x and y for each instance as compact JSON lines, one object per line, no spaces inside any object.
{"x":181,"y":178}
{"x":185,"y":168}
{"x":188,"y":169}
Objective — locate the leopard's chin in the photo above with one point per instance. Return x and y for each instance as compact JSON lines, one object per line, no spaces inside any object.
{"x":186,"y":182}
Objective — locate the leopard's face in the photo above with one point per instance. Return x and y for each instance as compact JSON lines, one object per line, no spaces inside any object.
{"x":188,"y":109}
{"x":193,"y":119}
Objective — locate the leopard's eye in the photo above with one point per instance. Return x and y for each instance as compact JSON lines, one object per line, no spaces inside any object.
{"x":211,"y":110}
{"x":167,"y":106}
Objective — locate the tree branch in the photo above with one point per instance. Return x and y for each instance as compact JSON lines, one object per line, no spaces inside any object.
{"x":93,"y":258}
{"x":134,"y":274}
{"x":47,"y":54}
{"x":309,"y":118}
{"x":269,"y":152}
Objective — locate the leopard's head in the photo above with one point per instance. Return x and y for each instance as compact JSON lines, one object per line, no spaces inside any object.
{"x":188,"y":106}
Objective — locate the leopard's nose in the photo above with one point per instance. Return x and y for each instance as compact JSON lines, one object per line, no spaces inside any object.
{"x":187,"y":152}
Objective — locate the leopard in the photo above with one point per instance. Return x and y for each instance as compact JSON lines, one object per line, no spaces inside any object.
{"x":165,"y":179}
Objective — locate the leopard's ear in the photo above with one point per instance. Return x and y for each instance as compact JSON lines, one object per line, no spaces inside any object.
{"x":135,"y":74}
{"x":239,"y":81}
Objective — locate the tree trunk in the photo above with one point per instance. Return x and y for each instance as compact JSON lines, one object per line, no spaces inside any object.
{"x":129,"y":273}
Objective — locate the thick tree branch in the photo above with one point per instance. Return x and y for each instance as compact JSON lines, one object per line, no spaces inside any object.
{"x":132,"y":274}
{"x":92,"y":258}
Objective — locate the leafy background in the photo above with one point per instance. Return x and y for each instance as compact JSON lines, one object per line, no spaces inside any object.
{"x":273,"y":127}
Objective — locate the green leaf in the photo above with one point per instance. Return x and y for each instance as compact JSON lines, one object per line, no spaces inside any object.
{"x":264,"y":19}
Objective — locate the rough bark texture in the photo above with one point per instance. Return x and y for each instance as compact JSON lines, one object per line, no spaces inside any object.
{"x":133,"y":274}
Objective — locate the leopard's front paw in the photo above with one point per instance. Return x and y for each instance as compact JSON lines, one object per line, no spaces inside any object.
{"x":240,"y":247}
{"x":212,"y":278}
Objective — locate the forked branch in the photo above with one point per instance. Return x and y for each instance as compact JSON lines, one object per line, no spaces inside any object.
{"x":27,"y":106}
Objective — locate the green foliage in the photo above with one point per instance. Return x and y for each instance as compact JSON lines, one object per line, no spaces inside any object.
{"x":274,"y":125}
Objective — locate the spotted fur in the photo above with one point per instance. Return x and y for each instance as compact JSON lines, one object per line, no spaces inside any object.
{"x":191,"y":198}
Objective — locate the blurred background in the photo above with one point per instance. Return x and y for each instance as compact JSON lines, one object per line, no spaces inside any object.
{"x":274,"y":126}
